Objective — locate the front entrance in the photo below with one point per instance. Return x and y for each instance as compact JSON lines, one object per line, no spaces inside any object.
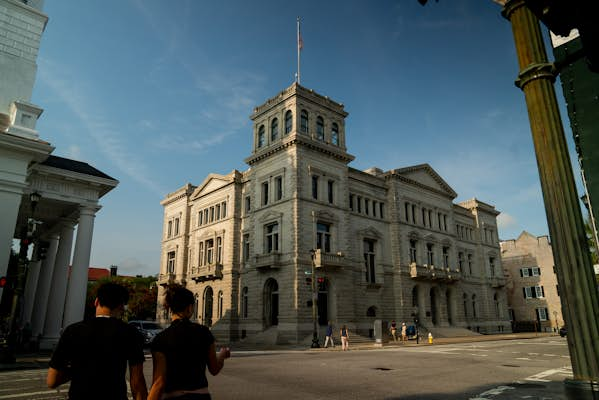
{"x":271,"y":303}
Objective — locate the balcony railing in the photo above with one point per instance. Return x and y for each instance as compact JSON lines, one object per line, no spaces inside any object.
{"x":324,"y":260}
{"x":497,"y":281}
{"x":268,"y":261}
{"x":206,"y":272}
{"x":166,"y":279}
{"x":430,"y":272}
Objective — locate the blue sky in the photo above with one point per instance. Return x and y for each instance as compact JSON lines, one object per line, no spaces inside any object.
{"x":158,"y":93}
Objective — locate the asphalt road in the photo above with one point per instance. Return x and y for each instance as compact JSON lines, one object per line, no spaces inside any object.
{"x":507,"y":369}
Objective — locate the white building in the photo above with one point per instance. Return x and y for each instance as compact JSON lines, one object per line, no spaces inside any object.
{"x":65,"y":192}
{"x":389,"y":244}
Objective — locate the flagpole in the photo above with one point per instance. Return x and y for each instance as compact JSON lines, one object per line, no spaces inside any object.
{"x":299,"y":39}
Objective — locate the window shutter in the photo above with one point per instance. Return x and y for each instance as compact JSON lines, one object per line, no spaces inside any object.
{"x":539,"y":270}
{"x":524,"y":291}
{"x":521,"y":273}
{"x":542,"y":291}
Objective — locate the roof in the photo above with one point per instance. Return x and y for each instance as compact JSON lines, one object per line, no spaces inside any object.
{"x":75,"y":166}
{"x":95,"y":274}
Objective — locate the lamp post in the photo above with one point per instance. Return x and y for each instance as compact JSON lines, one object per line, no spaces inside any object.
{"x":315,"y":344}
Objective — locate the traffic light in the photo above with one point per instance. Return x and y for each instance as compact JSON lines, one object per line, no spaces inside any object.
{"x":3,"y":281}
{"x":320,"y":280}
{"x":42,"y":249}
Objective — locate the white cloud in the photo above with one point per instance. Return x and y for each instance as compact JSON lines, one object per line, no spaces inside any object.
{"x":74,"y":152}
{"x":506,"y":221}
{"x":71,"y":91}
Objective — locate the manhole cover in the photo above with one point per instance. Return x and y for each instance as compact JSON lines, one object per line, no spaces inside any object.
{"x":383,"y":369}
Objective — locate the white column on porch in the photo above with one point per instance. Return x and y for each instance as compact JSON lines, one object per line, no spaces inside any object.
{"x":40,"y":300}
{"x":54,"y":314}
{"x":77,"y":287}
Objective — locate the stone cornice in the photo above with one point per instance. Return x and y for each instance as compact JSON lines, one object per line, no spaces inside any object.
{"x":300,"y":140}
{"x":178,"y":194}
{"x":433,"y":174}
{"x":419,"y":185}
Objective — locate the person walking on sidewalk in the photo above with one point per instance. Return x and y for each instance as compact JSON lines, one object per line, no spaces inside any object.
{"x":329,"y":335}
{"x":344,"y":333}
{"x":404,"y":332}
{"x":394,"y":330}
{"x":93,"y":354}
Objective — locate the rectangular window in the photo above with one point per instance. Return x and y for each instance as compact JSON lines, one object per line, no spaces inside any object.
{"x":201,"y":254}
{"x":351,"y":202}
{"x":445,"y":223}
{"x":366,"y":206}
{"x":374,"y":204}
{"x":217,"y":212}
{"x":492,"y":265}
{"x":413,"y":213}
{"x":381,"y":209}
{"x":412,"y":251}
{"x":209,"y":251}
{"x":446,"y":257}
{"x":542,"y":314}
{"x":272,"y":238}
{"x":176,"y":226}
{"x":264,"y":193}
{"x":369,"y":260}
{"x":169,"y":229}
{"x":461,"y":261}
{"x":246,"y":247}
{"x":323,"y":237}
{"x":430,"y":255}
{"x":539,"y":292}
{"x":527,"y":292}
{"x":424,"y":214}
{"x":211,"y":214}
{"x":470,"y":263}
{"x":406,"y":209}
{"x":248,"y":204}
{"x":170,"y":262}
{"x":219,"y":249}
{"x":536,"y":271}
{"x":279,"y":187}
{"x":359,"y":204}
{"x":223,"y":210}
{"x":200,"y":219}
{"x":330,"y":188}
{"x":314,"y":187}
{"x":524,"y":272}
{"x":206,"y":216}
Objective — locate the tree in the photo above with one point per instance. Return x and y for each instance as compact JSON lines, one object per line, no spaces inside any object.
{"x":143,"y":294}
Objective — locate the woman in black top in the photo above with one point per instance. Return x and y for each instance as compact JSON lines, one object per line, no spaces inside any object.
{"x":182,"y":352}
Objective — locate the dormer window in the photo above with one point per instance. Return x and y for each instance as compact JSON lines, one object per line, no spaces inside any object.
{"x":261,"y":135}
{"x":320,"y":128}
{"x":304,"y":121}
{"x":288,"y":121}
{"x":335,"y":134}
{"x":274,"y":130}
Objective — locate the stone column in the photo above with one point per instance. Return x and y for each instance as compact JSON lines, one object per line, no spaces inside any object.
{"x":53,"y":320}
{"x":10,"y":199}
{"x":40,"y":300}
{"x":77,"y":287}
{"x":571,"y":253}
{"x":33,"y":272}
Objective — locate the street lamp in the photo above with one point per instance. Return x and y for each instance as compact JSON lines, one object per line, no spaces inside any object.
{"x":315,"y":344}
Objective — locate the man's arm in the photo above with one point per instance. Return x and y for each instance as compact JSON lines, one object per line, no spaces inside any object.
{"x":138,"y":382}
{"x":217,"y":361}
{"x":56,"y":378}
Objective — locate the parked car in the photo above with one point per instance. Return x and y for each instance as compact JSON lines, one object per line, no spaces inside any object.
{"x":563,"y":331}
{"x":149,"y":329}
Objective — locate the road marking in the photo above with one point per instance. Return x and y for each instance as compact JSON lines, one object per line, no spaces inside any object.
{"x":540,"y":377}
{"x":492,"y":392}
{"x":523,"y":358}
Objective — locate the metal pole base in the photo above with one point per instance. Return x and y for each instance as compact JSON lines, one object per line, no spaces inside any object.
{"x":581,"y":390}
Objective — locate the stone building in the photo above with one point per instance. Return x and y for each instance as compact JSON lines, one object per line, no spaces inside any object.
{"x":42,"y":197}
{"x":385,"y":244}
{"x":532,"y":286}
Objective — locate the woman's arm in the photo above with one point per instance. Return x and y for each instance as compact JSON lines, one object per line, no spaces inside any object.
{"x":216,"y":361}
{"x":159,"y":376}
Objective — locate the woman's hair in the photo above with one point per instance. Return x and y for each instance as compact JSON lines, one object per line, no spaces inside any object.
{"x":177,"y":298}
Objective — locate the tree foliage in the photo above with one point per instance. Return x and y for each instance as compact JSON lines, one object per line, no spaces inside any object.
{"x":143,"y":293}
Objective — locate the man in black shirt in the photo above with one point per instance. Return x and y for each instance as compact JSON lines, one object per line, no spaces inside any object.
{"x":93,"y":354}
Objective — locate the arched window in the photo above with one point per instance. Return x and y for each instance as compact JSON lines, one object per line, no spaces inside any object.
{"x":371,"y":312}
{"x":304,"y":121}
{"x":261,"y":134}
{"x":320,"y":128}
{"x":244,"y":302}
{"x":220,"y":304}
{"x":288,"y":121}
{"x":208,"y":307}
{"x":335,"y":134}
{"x":274,"y":130}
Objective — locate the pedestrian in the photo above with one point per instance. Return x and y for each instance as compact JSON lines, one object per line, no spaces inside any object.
{"x":344,"y":333}
{"x":329,"y":335}
{"x":404,"y":332}
{"x":93,"y":354}
{"x":394,"y":330}
{"x":182,"y":352}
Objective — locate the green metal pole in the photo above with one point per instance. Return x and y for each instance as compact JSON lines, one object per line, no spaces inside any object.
{"x":571,"y":254}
